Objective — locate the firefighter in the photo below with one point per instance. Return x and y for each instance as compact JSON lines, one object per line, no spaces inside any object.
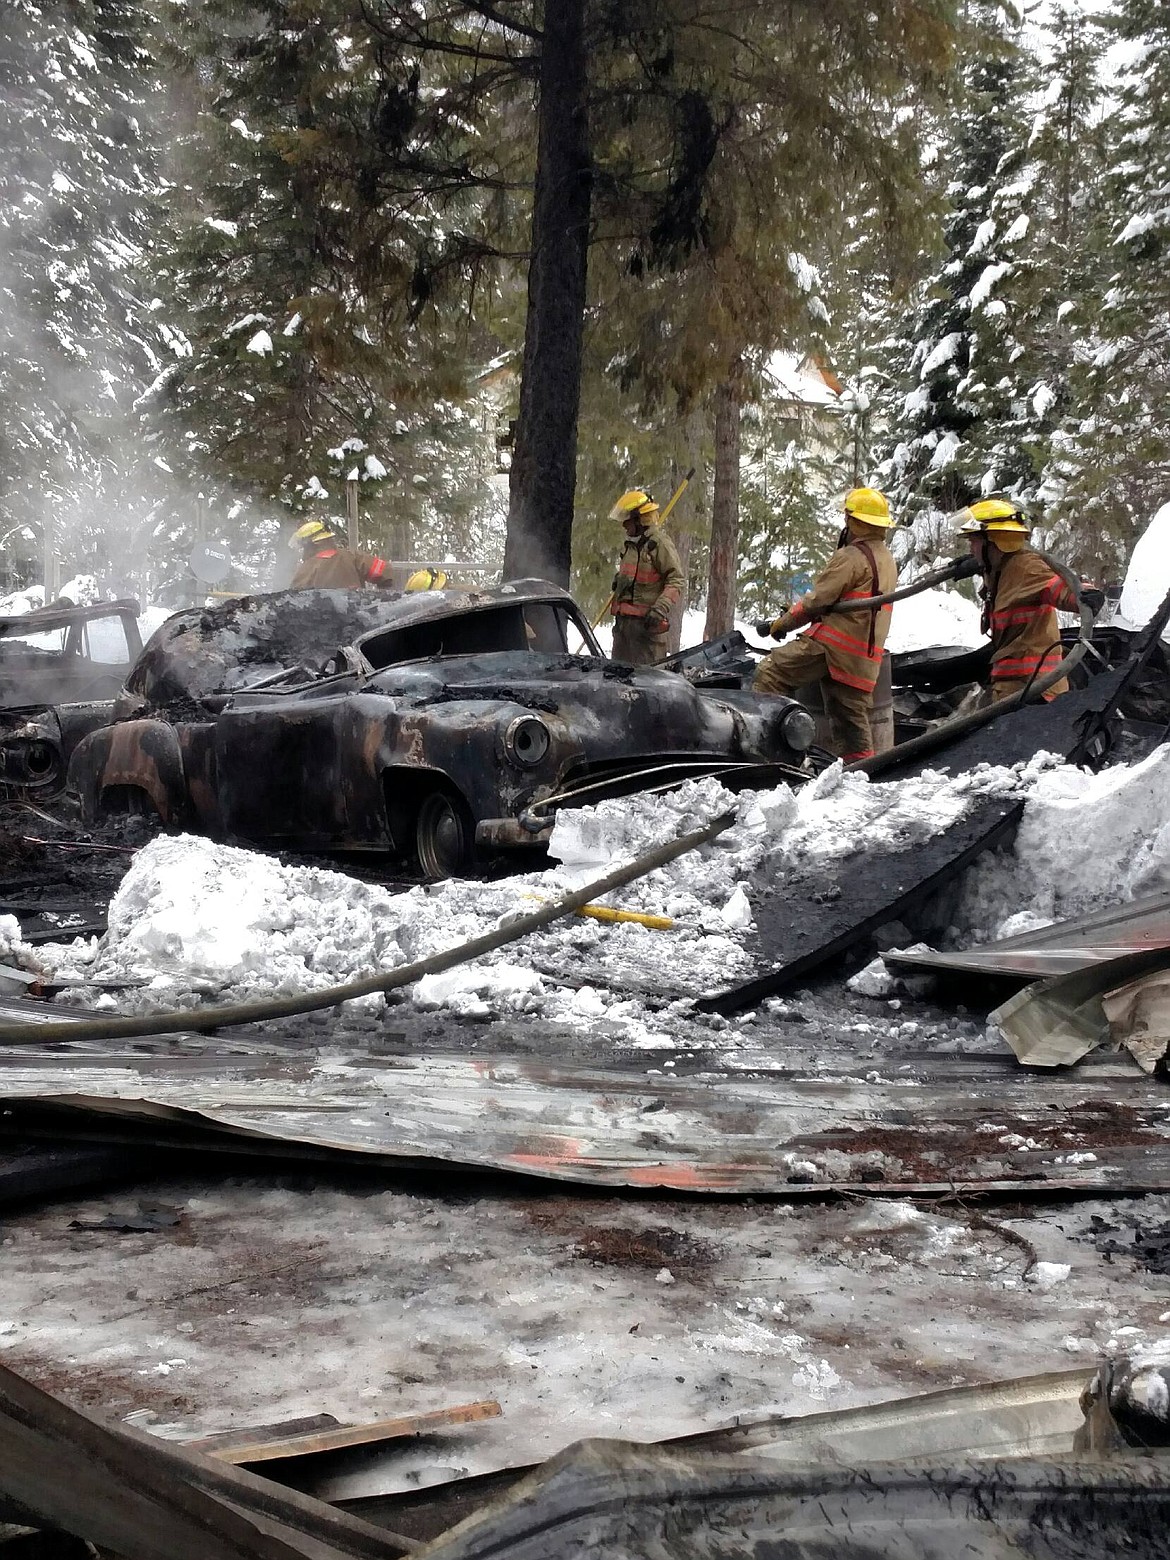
{"x":426,"y":579}
{"x":648,"y":583}
{"x":1021,"y":597}
{"x":843,"y":652}
{"x":326,"y":565}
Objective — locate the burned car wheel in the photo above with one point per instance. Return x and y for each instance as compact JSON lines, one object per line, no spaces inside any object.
{"x":444,"y":836}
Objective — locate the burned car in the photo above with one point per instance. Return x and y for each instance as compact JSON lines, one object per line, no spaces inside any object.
{"x":60,"y":668}
{"x":434,"y":725}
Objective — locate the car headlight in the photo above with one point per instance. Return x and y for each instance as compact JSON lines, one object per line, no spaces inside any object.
{"x":527,"y":741}
{"x":798,"y":728}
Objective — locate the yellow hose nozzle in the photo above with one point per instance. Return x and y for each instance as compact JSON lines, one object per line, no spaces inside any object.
{"x":657,"y":923}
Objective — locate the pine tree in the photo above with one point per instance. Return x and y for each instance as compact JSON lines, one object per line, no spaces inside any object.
{"x":303,"y":279}
{"x":962,"y":428}
{"x":1060,"y":304}
{"x":80,"y":118}
{"x":1111,"y":468}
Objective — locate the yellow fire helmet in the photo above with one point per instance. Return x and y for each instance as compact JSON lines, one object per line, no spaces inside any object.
{"x":311,"y":531}
{"x":993,"y":514}
{"x":869,"y":506}
{"x":427,"y":579}
{"x":636,"y":504}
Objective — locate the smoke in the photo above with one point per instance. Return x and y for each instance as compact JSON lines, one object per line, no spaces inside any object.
{"x":81,"y":333}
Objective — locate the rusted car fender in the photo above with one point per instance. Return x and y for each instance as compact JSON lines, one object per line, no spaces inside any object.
{"x":138,"y":755}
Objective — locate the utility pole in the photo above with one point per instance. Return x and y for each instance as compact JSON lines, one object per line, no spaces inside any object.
{"x":51,"y":563}
{"x":351,"y":508}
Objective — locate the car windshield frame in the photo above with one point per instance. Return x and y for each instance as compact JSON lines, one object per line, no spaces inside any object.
{"x":525,"y":625}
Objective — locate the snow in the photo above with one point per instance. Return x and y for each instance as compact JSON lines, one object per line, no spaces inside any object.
{"x":933,"y":618}
{"x":874,"y":980}
{"x":799,"y":380}
{"x":1120,"y":823}
{"x":986,"y":281}
{"x":195,"y":921}
{"x":1138,"y":227}
{"x":22,"y":602}
{"x":290,"y":1296}
{"x":229,"y":229}
{"x":943,"y":353}
{"x":81,"y":590}
{"x":260,"y":344}
{"x":804,"y":273}
{"x":1043,"y":400}
{"x":1148,"y":577}
{"x":945,"y":451}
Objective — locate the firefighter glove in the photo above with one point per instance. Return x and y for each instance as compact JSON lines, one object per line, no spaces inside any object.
{"x":770,"y":628}
{"x":1093,"y":598}
{"x":656,"y":623}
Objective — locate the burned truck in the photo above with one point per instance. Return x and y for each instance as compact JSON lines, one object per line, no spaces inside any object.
{"x":437,"y":726}
{"x":60,"y":668}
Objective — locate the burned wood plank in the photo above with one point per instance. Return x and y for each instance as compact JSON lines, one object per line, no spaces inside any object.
{"x":254,"y":1447}
{"x":802,"y":921}
{"x":146,"y":1499}
{"x":1069,"y":726}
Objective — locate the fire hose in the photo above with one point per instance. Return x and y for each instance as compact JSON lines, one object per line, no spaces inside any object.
{"x":960,"y":725}
{"x":957,"y":569}
{"x":110,"y":1026}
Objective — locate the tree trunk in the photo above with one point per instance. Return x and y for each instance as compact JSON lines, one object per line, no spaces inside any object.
{"x":684,"y":529}
{"x":724,"y":513}
{"x":544,"y":457}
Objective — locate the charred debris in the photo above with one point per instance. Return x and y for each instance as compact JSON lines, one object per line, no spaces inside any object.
{"x":1050,"y":1464}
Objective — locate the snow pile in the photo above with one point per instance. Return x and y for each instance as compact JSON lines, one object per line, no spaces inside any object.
{"x":197,"y":921}
{"x":81,"y":590}
{"x":1148,"y":578}
{"x":16,"y":956}
{"x":193,"y":920}
{"x":1086,"y":841}
{"x":22,"y":602}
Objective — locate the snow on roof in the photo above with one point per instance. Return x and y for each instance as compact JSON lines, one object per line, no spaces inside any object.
{"x":803,"y":380}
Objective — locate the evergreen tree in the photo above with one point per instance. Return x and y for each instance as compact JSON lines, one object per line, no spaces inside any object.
{"x":963,"y":424}
{"x":302,"y":277}
{"x":1111,"y":466}
{"x":77,"y":338}
{"x":1066,"y":159}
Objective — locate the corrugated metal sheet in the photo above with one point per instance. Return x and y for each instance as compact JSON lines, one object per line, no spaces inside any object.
{"x":1062,"y":948}
{"x":940,"y":1123}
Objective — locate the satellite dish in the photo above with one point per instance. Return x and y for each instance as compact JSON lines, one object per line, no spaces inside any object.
{"x":210,"y":564}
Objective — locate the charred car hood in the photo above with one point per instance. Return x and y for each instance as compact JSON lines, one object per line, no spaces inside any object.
{"x":574,"y":686}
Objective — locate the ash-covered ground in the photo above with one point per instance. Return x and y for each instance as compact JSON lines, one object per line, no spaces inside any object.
{"x":365,"y":1295}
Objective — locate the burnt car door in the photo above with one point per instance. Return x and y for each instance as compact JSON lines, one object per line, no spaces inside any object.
{"x":284,"y":761}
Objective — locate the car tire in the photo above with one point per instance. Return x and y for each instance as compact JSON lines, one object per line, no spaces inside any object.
{"x":444,"y":836}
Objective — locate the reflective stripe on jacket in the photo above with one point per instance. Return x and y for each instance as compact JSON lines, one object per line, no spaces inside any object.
{"x":649,"y":577}
{"x":337,"y":568}
{"x":1022,"y":597}
{"x":853,"y":640}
